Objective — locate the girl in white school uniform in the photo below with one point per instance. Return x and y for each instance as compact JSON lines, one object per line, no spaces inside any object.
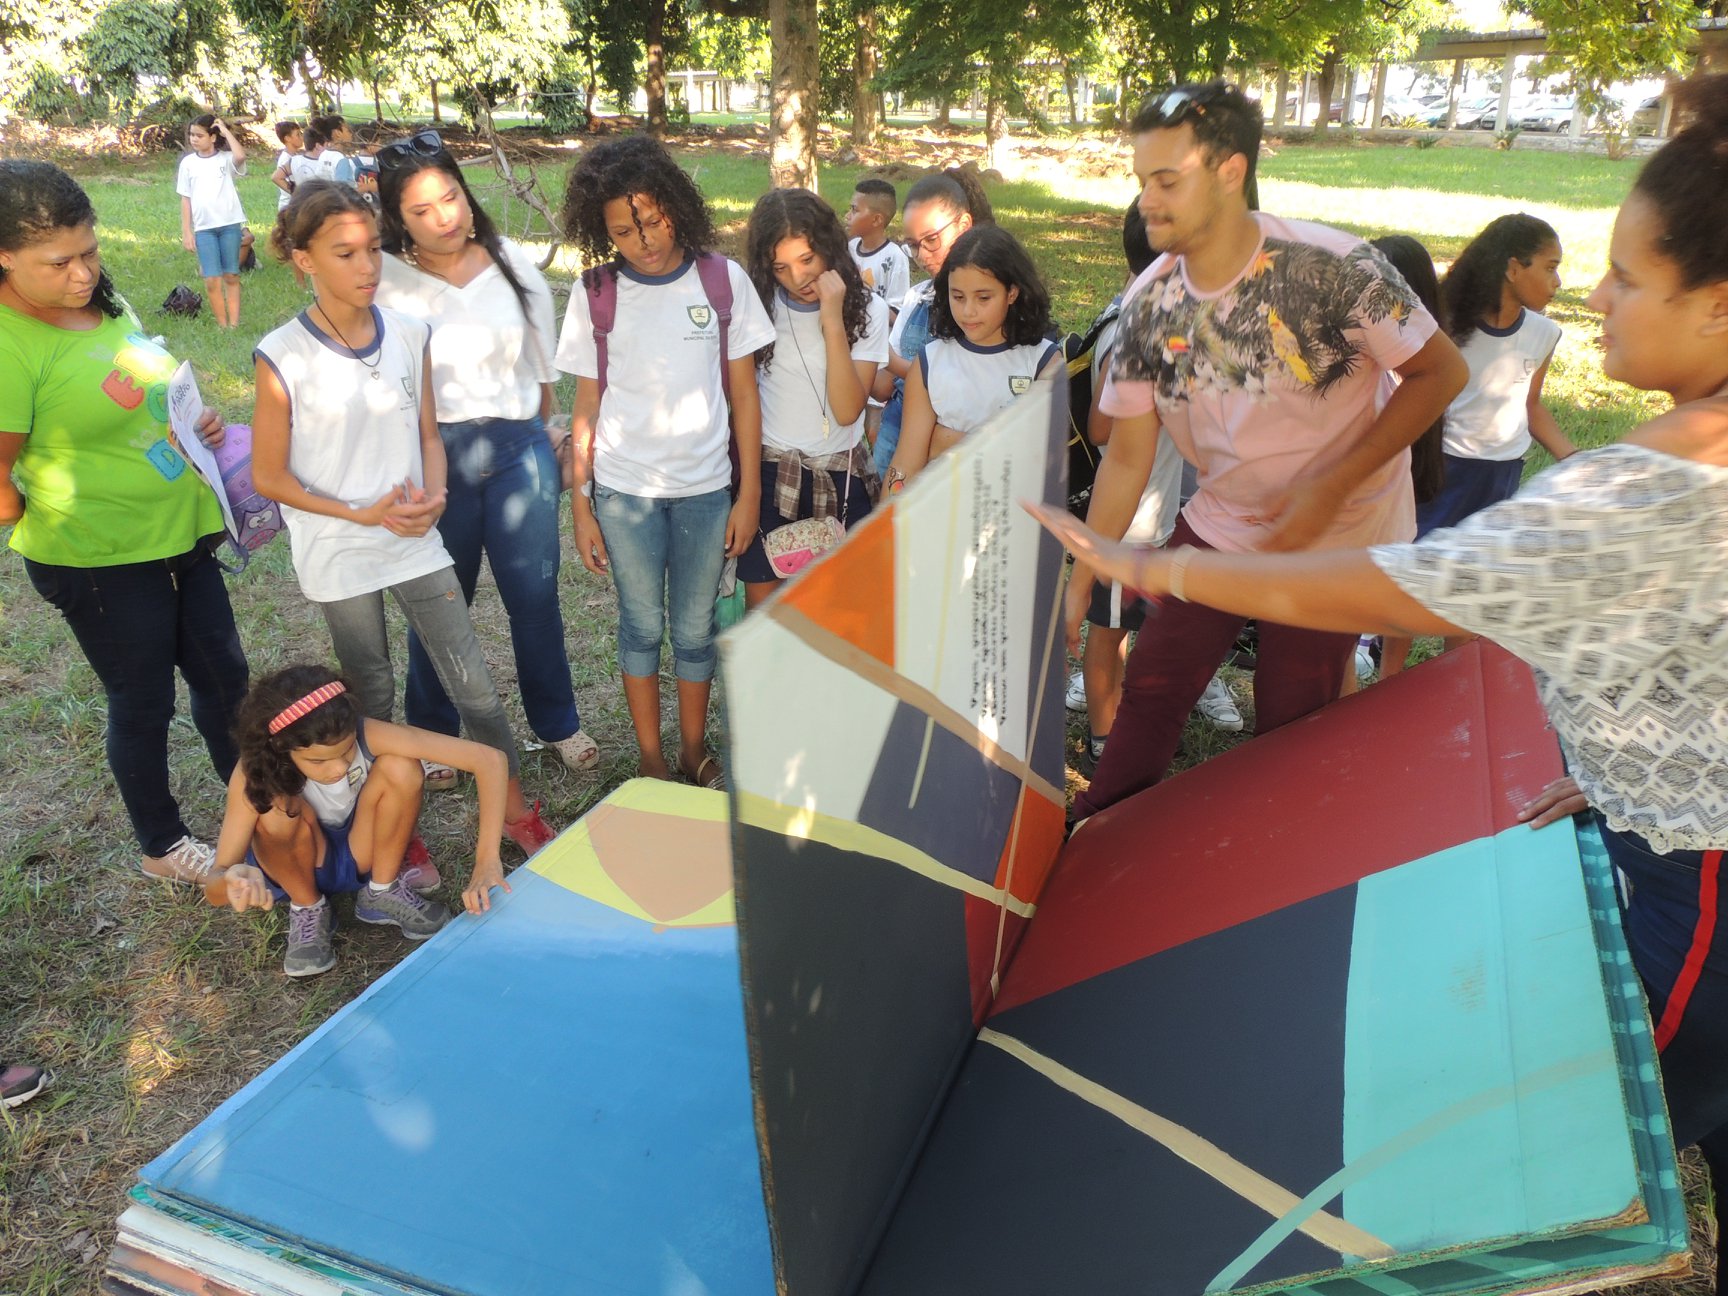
{"x":345,"y":438}
{"x":212,"y":218}
{"x":649,"y":427}
{"x":830,"y":337}
{"x":989,"y":341}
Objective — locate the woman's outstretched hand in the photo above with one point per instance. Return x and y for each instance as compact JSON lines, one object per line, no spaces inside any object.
{"x":1130,"y":565}
{"x":1561,"y":799}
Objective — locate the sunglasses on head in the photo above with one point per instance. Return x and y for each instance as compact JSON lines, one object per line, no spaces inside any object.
{"x":1176,"y":106}
{"x":426,"y":144}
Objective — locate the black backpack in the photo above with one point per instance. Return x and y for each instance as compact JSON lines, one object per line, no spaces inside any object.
{"x":1083,"y":456}
{"x":182,"y":301}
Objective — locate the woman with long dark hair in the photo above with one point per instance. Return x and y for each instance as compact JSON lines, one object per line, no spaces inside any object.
{"x":492,"y":345}
{"x":115,"y":528}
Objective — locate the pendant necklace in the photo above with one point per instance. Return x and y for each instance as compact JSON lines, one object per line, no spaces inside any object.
{"x":371,"y":369}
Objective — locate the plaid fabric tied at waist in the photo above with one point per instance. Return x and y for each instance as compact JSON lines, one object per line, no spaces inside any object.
{"x":789,"y":478}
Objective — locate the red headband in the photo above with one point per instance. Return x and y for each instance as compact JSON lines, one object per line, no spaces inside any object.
{"x":311,"y":702}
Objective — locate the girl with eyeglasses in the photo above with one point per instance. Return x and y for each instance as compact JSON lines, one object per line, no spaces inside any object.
{"x":649,"y":429}
{"x":345,"y":438}
{"x":830,"y":337}
{"x":939,"y":209}
{"x":491,"y":316}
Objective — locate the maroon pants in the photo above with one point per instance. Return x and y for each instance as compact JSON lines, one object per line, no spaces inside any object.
{"x":1177,"y":650}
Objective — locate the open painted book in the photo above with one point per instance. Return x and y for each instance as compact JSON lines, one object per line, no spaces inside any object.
{"x":1315,"y":1016}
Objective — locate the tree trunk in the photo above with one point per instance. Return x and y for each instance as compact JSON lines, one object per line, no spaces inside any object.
{"x":377,"y":101}
{"x":1071,"y":85}
{"x":1348,"y":116}
{"x":1452,"y":93}
{"x":996,"y":126}
{"x":437,"y":107}
{"x":864,"y":101}
{"x":1377,"y":105}
{"x":1327,"y":80}
{"x":655,"y":82}
{"x":796,"y":88}
{"x":312,"y":100}
{"x":1283,"y":93}
{"x":944,"y":113}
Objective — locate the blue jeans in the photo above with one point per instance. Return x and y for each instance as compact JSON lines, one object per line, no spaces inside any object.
{"x":912,"y":340}
{"x":137,"y":623}
{"x":503,"y":501}
{"x":665,"y":557}
{"x":218,"y":251}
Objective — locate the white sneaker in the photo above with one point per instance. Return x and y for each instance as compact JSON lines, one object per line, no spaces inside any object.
{"x":1219,"y":707}
{"x":1075,"y":698}
{"x":1365,"y":659}
{"x":188,"y":860}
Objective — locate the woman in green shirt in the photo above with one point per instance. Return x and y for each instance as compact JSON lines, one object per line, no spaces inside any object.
{"x":113,"y":525}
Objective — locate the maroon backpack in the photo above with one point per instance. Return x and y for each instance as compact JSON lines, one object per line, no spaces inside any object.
{"x":601,"y":285}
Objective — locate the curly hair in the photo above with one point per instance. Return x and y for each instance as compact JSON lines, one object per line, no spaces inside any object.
{"x":313,"y":203}
{"x":37,"y":201}
{"x":265,"y":759}
{"x":394,"y":231}
{"x":1687,"y":183}
{"x":958,"y":191}
{"x":625,"y":168}
{"x":797,"y":213}
{"x":1474,"y":286}
{"x":997,"y":253}
{"x":1411,"y":259}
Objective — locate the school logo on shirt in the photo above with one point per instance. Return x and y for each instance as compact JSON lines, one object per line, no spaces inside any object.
{"x":700,"y":316}
{"x":1020,"y":384}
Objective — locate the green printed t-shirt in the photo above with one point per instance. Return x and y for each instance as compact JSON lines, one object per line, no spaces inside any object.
{"x":102,"y":484}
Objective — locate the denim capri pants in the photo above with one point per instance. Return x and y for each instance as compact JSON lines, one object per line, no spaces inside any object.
{"x":218,"y":251}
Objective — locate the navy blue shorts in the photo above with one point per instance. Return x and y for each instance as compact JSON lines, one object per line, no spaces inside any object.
{"x":753,"y":565}
{"x":1115,"y":608}
{"x":1470,"y":486}
{"x":339,"y":874}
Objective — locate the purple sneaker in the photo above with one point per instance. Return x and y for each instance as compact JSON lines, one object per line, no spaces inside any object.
{"x":20,"y":1083}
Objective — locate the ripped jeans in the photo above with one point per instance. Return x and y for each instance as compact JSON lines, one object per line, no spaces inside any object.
{"x":438,"y":614}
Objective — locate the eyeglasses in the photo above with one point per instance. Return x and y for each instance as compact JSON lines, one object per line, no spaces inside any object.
{"x":426,"y":144}
{"x":930,"y":241}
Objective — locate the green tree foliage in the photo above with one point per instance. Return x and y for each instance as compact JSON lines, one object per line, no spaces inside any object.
{"x":1609,"y":41}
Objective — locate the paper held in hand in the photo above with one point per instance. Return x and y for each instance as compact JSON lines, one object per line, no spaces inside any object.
{"x":185,"y":406}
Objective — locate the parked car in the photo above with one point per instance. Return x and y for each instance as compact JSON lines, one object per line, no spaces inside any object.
{"x":1522,"y":106}
{"x":1553,"y":116}
{"x":1646,"y":117}
{"x":1469,"y":112}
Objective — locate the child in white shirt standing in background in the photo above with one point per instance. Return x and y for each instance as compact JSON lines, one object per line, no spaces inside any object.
{"x":293,"y":138}
{"x":211,"y":215}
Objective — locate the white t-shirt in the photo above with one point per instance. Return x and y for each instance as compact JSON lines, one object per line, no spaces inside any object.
{"x":284,"y":164}
{"x":886,"y":271}
{"x":968,"y":383}
{"x":1490,"y":418}
{"x":486,"y":361}
{"x":209,"y":183}
{"x":333,"y":164}
{"x":1608,"y":573}
{"x":662,"y":431}
{"x":794,"y":386}
{"x":303,"y":168}
{"x":353,"y":435}
{"x":1155,"y":516}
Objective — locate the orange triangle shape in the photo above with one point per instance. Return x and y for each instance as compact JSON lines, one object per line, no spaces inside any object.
{"x":1033,"y":845}
{"x":850,"y":593}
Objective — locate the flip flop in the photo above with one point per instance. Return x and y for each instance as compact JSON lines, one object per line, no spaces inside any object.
{"x":439,"y":778}
{"x":710,"y":774}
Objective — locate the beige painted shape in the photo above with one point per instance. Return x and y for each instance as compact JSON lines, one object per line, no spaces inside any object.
{"x":669,"y":865}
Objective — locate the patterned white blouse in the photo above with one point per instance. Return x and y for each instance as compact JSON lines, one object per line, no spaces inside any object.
{"x":1609,"y":575}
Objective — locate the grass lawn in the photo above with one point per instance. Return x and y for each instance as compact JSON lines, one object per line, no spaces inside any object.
{"x":152,"y":1008}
